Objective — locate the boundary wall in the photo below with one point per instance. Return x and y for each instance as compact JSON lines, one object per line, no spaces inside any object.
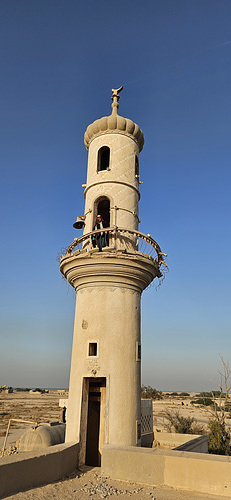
{"x":31,"y":469}
{"x":182,"y":442}
{"x":183,"y":470}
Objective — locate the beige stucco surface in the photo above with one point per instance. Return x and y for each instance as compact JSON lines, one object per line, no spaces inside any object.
{"x":29,"y":469}
{"x":42,"y":436}
{"x":116,"y":335}
{"x":108,"y":313}
{"x":118,"y":183}
{"x":178,"y":469}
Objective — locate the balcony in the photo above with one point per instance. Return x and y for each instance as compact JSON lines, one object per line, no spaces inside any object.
{"x":119,"y":242}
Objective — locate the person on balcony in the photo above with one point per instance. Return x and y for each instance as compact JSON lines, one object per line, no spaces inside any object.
{"x":99,"y":239}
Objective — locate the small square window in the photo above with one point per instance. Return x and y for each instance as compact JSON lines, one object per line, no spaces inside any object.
{"x":92,"y":349}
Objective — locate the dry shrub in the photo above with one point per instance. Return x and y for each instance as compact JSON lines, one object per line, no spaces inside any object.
{"x":175,"y":422}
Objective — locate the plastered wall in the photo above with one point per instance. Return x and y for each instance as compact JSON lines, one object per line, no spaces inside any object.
{"x":187,"y":471}
{"x":30,"y":469}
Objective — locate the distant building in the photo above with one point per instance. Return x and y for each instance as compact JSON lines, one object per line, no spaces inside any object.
{"x":6,"y":389}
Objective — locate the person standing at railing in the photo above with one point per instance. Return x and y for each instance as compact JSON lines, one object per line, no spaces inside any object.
{"x":99,"y":239}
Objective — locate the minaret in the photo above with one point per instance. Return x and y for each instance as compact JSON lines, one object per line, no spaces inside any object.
{"x":109,"y":271}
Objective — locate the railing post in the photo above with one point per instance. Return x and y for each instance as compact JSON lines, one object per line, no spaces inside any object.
{"x":116,"y":238}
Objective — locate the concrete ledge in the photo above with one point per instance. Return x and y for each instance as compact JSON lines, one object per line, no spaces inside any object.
{"x":183,"y":442}
{"x":143,"y":465}
{"x":30,"y":469}
{"x":187,"y":471}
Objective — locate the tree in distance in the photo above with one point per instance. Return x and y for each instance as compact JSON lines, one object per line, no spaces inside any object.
{"x":150,"y":393}
{"x":219,"y":433}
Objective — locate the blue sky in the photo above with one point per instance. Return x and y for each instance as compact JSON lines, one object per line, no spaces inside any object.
{"x":59,"y":61}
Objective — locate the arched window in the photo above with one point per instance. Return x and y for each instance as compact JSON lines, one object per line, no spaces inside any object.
{"x":136,"y":166}
{"x":103,"y":158}
{"x":103,"y":208}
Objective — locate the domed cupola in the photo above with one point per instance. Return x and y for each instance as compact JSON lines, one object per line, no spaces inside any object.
{"x":114,"y":124}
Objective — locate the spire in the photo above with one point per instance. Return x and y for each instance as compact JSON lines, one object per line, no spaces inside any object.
{"x":115,"y":98}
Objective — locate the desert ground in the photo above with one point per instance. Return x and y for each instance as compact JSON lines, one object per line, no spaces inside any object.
{"x":87,"y":482}
{"x":200,"y":414}
{"x":24,"y":406}
{"x":45,"y":408}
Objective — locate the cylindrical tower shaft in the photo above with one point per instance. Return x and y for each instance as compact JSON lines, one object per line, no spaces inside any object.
{"x":118,"y":183}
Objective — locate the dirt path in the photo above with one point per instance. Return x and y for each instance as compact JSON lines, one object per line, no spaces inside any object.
{"x":88,"y":483}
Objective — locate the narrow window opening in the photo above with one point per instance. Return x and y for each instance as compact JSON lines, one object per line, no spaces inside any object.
{"x":138,"y":351}
{"x":103,"y":158}
{"x":92,"y":348}
{"x":136,"y":166}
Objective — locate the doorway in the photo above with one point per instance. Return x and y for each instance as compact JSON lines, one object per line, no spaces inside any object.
{"x":103,"y":208}
{"x":95,"y":421}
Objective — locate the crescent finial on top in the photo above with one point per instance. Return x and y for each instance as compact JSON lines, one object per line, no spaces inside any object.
{"x":115,"y":98}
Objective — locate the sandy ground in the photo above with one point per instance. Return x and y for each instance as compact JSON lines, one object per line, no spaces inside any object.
{"x":187,"y":410}
{"x":88,"y":483}
{"x":45,"y":408}
{"x":201,"y":415}
{"x":25,"y":406}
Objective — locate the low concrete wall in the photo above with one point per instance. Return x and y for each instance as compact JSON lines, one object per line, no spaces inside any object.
{"x":30,"y":469}
{"x":183,"y":442}
{"x":199,"y":472}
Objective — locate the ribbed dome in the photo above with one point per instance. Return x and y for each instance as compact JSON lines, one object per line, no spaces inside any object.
{"x":114,"y":124}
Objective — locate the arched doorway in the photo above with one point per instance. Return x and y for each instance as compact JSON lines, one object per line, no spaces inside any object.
{"x":103,"y":208}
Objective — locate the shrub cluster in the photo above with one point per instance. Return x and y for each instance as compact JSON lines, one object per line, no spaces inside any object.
{"x":219,"y":438}
{"x":183,"y":425}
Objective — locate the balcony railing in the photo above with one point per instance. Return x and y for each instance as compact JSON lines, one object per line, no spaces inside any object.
{"x":118,"y":240}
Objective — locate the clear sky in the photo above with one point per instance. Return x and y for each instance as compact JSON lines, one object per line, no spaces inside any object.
{"x":59,"y":61}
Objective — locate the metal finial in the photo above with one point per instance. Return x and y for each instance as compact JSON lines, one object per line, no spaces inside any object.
{"x":115,"y":98}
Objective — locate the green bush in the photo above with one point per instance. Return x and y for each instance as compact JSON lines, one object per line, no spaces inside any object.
{"x":22,"y":389}
{"x":219,"y":438}
{"x":204,"y":401}
{"x":150,"y":393}
{"x":215,"y":394}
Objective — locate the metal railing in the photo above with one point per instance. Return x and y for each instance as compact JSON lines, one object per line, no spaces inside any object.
{"x":117,"y":239}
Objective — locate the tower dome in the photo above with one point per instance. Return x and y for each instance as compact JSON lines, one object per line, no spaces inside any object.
{"x":114,"y":124}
